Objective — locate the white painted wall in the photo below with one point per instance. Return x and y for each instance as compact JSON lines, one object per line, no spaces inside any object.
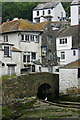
{"x":75,"y":15}
{"x":64,"y":46}
{"x":69,"y":57}
{"x":14,"y":59}
{"x":55,"y":13}
{"x":44,"y":69}
{"x":68,"y":78}
{"x":15,"y":38}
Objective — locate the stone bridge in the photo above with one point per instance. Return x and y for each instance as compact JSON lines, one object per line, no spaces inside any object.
{"x":37,"y":84}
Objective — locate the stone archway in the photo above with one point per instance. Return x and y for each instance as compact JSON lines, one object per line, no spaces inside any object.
{"x":44,"y":91}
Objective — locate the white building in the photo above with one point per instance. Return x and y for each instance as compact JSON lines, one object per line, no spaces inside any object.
{"x":69,"y":78}
{"x":52,"y":11}
{"x":25,"y":41}
{"x":67,"y":44}
{"x":68,"y":41}
{"x":75,"y":12}
{"x":10,"y":59}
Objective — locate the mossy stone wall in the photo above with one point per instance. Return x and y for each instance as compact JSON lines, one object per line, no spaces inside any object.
{"x":27,"y":85}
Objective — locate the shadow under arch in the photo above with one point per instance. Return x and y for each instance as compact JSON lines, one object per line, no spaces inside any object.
{"x":44,"y":91}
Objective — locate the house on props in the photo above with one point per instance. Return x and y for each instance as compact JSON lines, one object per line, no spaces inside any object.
{"x":69,"y":78}
{"x":27,"y":40}
{"x":51,"y":11}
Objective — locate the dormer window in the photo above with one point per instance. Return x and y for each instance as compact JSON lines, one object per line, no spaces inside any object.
{"x":6,"y":38}
{"x":49,"y":11}
{"x":37,"y":13}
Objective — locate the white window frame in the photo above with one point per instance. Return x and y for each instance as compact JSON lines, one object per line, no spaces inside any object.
{"x":5,"y":38}
{"x":63,"y":41}
{"x":9,"y":51}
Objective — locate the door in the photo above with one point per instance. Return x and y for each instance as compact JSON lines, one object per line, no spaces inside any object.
{"x":11,"y":70}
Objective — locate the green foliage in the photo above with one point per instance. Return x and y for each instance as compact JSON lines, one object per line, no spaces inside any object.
{"x":23,"y":10}
{"x":6,"y":77}
{"x":66,"y":6}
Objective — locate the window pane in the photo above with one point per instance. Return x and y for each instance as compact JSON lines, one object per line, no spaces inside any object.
{"x":6,"y":51}
{"x":74,"y":53}
{"x":28,"y":58}
{"x":62,"y":55}
{"x":11,"y":70}
{"x":65,"y":40}
{"x":37,"y":13}
{"x":27,"y":37}
{"x":24,"y":58}
{"x":32,"y":37}
{"x":78,"y":72}
{"x":22,"y":37}
{"x":60,"y":41}
{"x":49,"y":12}
{"x":43,"y":12}
{"x":79,"y":10}
{"x":36,"y":38}
{"x":34,"y":56}
{"x":6,"y":38}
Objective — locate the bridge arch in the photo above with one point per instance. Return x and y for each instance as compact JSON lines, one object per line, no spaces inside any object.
{"x":31,"y":85}
{"x":44,"y":91}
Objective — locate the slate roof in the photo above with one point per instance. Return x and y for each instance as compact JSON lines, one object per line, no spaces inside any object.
{"x":73,"y":31}
{"x":46,"y":5}
{"x":72,"y":65}
{"x":21,"y":25}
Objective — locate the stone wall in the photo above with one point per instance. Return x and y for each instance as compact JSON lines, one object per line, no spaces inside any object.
{"x":27,"y":85}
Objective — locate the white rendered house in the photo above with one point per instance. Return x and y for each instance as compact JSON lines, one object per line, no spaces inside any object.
{"x":25,"y":38}
{"x":75,"y":12}
{"x":67,"y":45}
{"x":10,"y":59}
{"x":68,"y":41}
{"x":52,"y":11}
